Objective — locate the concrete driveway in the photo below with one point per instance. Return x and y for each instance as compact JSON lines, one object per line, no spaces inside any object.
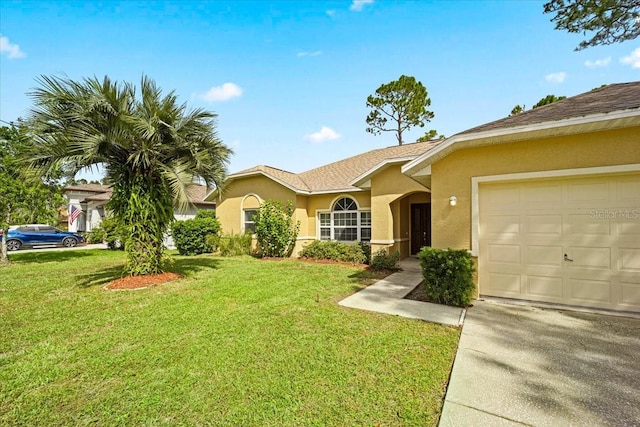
{"x":520,"y":365}
{"x":48,"y":248}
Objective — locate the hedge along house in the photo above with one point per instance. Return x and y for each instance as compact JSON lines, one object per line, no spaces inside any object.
{"x":547,"y":200}
{"x":361,"y":198}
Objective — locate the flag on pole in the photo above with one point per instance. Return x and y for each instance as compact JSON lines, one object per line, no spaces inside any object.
{"x":74,"y":214}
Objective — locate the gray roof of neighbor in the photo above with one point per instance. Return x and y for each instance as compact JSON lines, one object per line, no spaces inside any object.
{"x":337,"y":176}
{"x":603,"y":100}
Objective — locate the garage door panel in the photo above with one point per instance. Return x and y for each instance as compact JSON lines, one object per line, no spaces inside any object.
{"x":545,"y":286}
{"x":629,"y":259}
{"x":505,"y":197}
{"x":587,"y":224}
{"x":501,"y":225}
{"x":525,"y":232}
{"x":591,"y":191}
{"x":630,"y":294}
{"x":593,"y":291}
{"x":544,"y":225}
{"x":543,"y":195}
{"x":630,"y":226}
{"x":590,"y":258}
{"x":509,"y":254}
{"x":627,"y":191}
{"x":545,"y":255}
{"x":508,"y":284}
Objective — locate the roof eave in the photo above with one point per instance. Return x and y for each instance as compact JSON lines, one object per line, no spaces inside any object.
{"x":362,"y":180}
{"x":595,"y":122}
{"x":266,"y":175}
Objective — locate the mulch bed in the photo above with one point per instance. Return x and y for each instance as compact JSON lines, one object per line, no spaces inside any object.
{"x":417,"y":294}
{"x":141,"y":282}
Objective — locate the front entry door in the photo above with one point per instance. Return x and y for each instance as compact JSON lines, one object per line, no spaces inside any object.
{"x":420,"y":226}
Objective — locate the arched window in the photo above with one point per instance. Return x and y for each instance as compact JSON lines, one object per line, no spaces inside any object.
{"x":345,"y":222}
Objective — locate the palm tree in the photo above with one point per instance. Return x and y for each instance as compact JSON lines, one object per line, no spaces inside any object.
{"x":150,"y":146}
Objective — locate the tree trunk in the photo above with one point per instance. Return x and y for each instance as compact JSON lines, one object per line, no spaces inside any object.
{"x":4,"y":258}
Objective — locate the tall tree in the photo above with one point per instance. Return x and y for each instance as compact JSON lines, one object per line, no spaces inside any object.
{"x":517,"y":109}
{"x":22,"y":201}
{"x":150,"y":146}
{"x":430,"y":135}
{"x":613,"y":21}
{"x":404,"y":102}
{"x":549,"y":99}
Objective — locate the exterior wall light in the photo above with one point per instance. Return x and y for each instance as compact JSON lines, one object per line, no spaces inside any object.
{"x":453,"y":200}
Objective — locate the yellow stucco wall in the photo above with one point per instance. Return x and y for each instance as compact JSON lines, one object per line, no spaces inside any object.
{"x":451,"y":176}
{"x":390,"y":214}
{"x":243,"y":194}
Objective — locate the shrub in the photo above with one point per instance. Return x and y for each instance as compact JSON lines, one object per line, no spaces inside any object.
{"x":381,"y":260}
{"x":336,"y":251}
{"x":111,"y":232}
{"x":190,"y":236}
{"x":275,"y":230}
{"x":231,"y":244}
{"x":448,"y":275}
{"x":206,"y":213}
{"x":366,"y":250}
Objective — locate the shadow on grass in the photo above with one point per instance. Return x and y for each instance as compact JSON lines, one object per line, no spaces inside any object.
{"x":99,"y":278}
{"x":183,"y":266}
{"x":366,"y":277}
{"x":187,"y":266}
{"x":53,"y":256}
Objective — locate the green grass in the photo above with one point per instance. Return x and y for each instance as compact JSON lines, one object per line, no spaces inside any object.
{"x":236,"y":342}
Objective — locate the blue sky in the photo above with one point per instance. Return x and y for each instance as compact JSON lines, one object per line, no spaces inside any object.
{"x":289,"y":79}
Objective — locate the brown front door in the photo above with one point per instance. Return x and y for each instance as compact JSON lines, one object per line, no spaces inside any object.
{"x":420,"y":226}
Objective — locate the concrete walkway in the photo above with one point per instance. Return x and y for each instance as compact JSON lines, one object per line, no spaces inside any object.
{"x":386,"y":296}
{"x":522,"y":365}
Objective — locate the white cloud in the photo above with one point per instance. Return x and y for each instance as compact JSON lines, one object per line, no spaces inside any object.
{"x":358,"y":5}
{"x":221,"y":93}
{"x":598,"y":63}
{"x":556,"y":77}
{"x":324,"y":134}
{"x":309,"y":53}
{"x":331,"y":12}
{"x":12,"y":50}
{"x":633,"y":59}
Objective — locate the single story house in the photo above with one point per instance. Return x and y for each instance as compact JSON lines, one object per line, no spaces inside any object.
{"x":547,"y":200}
{"x":90,"y":200}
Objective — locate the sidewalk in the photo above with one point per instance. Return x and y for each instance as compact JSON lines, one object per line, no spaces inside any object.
{"x":386,"y":296}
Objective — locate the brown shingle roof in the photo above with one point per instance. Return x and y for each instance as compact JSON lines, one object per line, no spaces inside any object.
{"x":607,"y":99}
{"x":92,"y":188}
{"x":196,"y":194}
{"x":337,"y":176}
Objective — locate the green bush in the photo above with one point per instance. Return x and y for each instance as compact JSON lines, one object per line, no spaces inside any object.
{"x":381,"y":260}
{"x":190,"y":236}
{"x":366,"y":250}
{"x":231,"y":244}
{"x":206,"y":213}
{"x":275,"y":229}
{"x":448,"y":275}
{"x":336,"y":251}
{"x":111,"y":232}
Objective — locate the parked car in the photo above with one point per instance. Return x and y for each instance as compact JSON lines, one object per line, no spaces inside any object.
{"x":40,"y":234}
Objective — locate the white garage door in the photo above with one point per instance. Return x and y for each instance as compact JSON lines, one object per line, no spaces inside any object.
{"x":572,"y":241}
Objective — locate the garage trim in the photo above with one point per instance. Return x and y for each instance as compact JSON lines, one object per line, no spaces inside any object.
{"x":476,"y":181}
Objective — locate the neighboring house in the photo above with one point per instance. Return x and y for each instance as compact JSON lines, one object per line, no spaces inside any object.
{"x":547,"y":200}
{"x":92,"y":198}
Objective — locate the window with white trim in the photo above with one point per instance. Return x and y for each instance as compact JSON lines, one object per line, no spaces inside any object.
{"x":345,"y":222}
{"x":249,"y":223}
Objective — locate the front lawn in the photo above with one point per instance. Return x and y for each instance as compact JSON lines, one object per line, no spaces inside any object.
{"x":237,"y":342}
